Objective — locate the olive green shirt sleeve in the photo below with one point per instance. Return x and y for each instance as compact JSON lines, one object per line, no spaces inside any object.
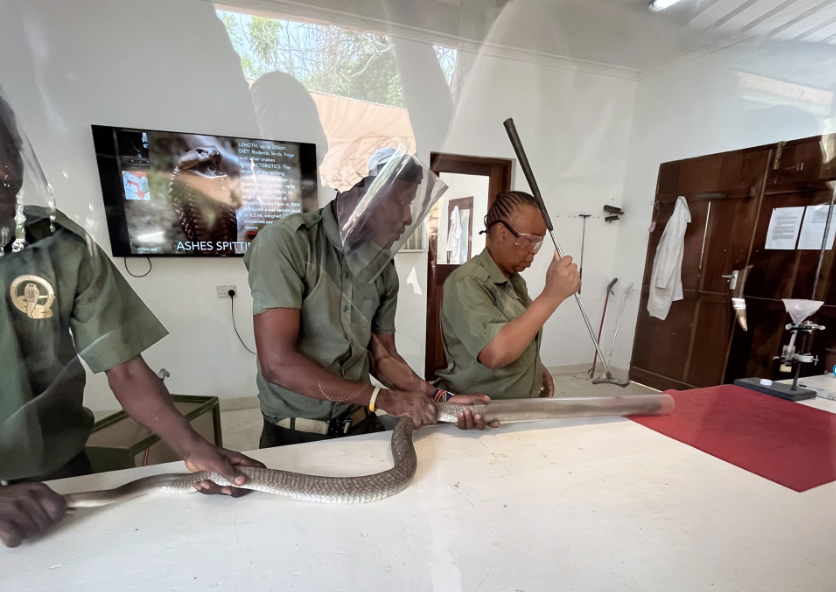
{"x":383,"y":322}
{"x":276,"y":262}
{"x":471,"y":313}
{"x":110,"y":323}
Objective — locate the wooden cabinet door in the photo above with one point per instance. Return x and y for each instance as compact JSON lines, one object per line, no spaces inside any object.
{"x":732,"y":197}
{"x":689,"y":348}
{"x":803,"y":164}
{"x":798,"y":177}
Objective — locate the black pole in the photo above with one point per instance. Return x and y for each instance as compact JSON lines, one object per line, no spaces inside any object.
{"x":824,"y":241}
{"x":816,"y":280}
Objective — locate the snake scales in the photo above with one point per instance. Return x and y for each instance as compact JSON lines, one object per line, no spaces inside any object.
{"x":369,"y":488}
{"x":203,"y":199}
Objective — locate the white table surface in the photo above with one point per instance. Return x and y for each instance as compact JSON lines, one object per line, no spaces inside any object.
{"x":598,"y":505}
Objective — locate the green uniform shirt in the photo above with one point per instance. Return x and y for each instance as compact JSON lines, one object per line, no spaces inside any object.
{"x":298,"y":263}
{"x":61,"y":295}
{"x":478,"y":301}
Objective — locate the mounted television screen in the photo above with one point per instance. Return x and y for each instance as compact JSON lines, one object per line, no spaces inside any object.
{"x":178,"y":194}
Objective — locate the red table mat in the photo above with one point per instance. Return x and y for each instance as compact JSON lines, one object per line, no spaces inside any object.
{"x":785,"y":442}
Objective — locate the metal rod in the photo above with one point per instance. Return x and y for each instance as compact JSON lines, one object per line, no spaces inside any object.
{"x":824,"y":240}
{"x":794,"y":386}
{"x":601,"y":328}
{"x":583,"y":245}
{"x":797,"y":373}
{"x":532,"y":409}
{"x":620,"y":314}
{"x":702,"y":253}
{"x":535,"y":190}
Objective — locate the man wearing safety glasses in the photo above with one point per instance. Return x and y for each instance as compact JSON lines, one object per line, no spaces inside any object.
{"x":492,"y":329}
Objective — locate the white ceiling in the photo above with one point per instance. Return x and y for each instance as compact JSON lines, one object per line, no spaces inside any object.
{"x":622,"y":34}
{"x":811,"y":21}
{"x":702,"y":25}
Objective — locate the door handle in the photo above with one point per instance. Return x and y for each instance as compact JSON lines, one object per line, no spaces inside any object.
{"x":732,"y":278}
{"x":737,"y":283}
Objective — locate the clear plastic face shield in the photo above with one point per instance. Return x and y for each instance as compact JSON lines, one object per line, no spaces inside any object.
{"x":24,"y":190}
{"x":26,"y":198}
{"x":379,"y":214}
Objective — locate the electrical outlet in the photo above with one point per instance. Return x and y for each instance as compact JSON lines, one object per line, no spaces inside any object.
{"x":223,"y":291}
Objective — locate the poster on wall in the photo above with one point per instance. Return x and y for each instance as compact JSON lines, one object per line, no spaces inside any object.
{"x":812,"y":231}
{"x":179,"y":194}
{"x":782,"y":234}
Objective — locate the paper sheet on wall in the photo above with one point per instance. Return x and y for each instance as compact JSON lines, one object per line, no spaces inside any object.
{"x":783,"y":229}
{"x":812,"y":231}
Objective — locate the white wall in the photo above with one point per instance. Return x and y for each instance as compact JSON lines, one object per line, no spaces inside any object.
{"x":169,"y":65}
{"x":154,"y":64}
{"x":575,"y":127}
{"x":700,"y":107}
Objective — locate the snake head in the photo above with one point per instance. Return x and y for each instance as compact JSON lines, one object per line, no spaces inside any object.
{"x":205,"y":160}
{"x":199,"y":173}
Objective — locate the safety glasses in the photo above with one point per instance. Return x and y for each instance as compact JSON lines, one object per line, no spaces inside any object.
{"x":529,"y":242}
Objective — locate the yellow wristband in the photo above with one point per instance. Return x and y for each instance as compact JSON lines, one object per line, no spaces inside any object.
{"x":374,"y":398}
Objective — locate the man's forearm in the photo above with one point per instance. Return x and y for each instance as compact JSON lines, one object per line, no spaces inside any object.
{"x":144,"y":397}
{"x":393,"y":371}
{"x":298,"y":373}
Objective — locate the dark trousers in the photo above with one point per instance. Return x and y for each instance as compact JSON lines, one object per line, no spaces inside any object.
{"x":272,"y":435}
{"x":78,"y":466}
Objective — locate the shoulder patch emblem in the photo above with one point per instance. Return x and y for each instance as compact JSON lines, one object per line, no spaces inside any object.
{"x":33,"y":296}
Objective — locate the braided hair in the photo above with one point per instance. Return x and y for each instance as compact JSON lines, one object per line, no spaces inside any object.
{"x":505,"y":204}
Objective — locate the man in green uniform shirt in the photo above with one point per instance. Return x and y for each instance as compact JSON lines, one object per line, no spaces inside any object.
{"x":62,"y":298}
{"x":325,"y":291}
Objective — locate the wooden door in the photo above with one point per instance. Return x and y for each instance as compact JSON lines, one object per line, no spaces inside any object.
{"x":689,"y":348}
{"x":498,"y":173}
{"x":732,"y":197}
{"x":797,"y":177}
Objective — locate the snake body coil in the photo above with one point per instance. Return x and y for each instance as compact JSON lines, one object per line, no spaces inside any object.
{"x":369,"y":488}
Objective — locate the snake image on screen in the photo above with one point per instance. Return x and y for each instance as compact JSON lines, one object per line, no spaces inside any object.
{"x":201,"y":196}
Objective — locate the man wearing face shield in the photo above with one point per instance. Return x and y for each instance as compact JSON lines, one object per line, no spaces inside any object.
{"x":62,"y":299}
{"x":325,"y":290}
